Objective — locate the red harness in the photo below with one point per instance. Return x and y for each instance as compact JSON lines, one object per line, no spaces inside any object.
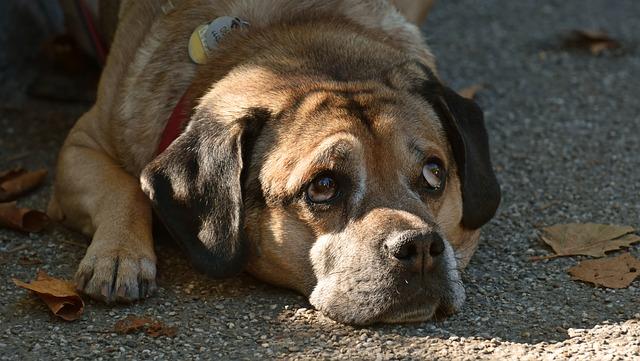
{"x":175,"y":125}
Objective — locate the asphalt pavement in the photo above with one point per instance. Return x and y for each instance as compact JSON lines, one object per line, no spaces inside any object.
{"x":565,"y":133}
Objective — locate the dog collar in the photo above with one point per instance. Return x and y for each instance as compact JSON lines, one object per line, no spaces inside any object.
{"x":202,"y":43}
{"x":176,"y":123}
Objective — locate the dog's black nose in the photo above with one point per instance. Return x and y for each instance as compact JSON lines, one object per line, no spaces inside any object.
{"x":416,"y":249}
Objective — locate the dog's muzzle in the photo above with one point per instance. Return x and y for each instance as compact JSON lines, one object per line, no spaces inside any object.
{"x":411,"y":277}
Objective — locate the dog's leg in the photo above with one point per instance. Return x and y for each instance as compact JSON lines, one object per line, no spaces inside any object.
{"x":415,"y":11}
{"x":96,"y":196}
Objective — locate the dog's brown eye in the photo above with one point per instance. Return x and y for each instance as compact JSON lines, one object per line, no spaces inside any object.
{"x":322,"y":189}
{"x":433,"y":173}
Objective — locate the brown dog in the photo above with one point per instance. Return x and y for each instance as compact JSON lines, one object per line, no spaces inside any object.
{"x":321,"y":154}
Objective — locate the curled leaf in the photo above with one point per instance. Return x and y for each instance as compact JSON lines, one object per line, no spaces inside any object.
{"x":594,"y":41}
{"x":59,"y":295}
{"x":588,"y":239}
{"x":15,"y":182}
{"x":612,"y":272}
{"x":21,"y":219}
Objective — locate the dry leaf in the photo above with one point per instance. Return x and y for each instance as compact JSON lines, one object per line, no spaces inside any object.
{"x":59,"y":295}
{"x":470,"y":91}
{"x":22,"y":219}
{"x":153,"y":328}
{"x":588,"y":239}
{"x":612,"y":272}
{"x":29,"y":261}
{"x":131,"y":324}
{"x":16,"y":182}
{"x":157,"y":329}
{"x":595,"y":41}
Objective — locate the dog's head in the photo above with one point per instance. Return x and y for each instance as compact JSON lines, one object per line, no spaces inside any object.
{"x":365,"y":195}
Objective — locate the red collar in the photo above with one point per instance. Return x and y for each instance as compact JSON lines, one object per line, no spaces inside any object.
{"x":175,"y":125}
{"x":182,"y":112}
{"x":214,"y":31}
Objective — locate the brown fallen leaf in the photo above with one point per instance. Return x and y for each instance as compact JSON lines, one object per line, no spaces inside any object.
{"x":470,"y":91}
{"x":151,"y":327}
{"x":21,"y":219}
{"x":18,"y":181}
{"x":29,"y":261}
{"x":59,"y":295}
{"x":588,"y":239}
{"x":158,"y":329}
{"x":595,"y":41}
{"x":612,"y":272}
{"x":131,"y":324}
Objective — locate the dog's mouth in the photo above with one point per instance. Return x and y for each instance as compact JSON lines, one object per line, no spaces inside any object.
{"x":427,"y":310}
{"x":408,"y":307}
{"x":435,"y":300}
{"x":410,"y":316}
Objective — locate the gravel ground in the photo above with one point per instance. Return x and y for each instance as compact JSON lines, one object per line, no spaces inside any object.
{"x":564,"y":128}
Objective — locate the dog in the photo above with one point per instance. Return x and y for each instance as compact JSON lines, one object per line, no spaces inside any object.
{"x":315,"y":149}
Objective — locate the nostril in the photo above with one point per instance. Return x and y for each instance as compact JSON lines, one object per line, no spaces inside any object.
{"x":437,"y":246}
{"x":415,"y":248}
{"x":406,"y":251}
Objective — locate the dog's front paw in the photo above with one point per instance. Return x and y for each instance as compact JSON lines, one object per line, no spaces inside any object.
{"x":116,"y":276}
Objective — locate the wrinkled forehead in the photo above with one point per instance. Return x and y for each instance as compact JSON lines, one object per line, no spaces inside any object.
{"x":370,"y":110}
{"x":346,"y":129}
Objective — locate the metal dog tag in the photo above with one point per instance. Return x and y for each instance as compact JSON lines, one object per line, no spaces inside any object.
{"x":205,"y":38}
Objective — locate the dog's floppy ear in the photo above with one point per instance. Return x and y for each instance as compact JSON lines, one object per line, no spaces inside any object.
{"x":195,"y":187}
{"x":463,"y":122}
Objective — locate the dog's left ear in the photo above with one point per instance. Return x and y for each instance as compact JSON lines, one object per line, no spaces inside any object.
{"x":195,"y":187}
{"x":463,"y":123}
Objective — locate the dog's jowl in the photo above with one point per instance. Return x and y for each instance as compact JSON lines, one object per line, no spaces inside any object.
{"x":311,"y":145}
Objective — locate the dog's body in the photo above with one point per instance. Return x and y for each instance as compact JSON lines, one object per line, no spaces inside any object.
{"x":315,"y":96}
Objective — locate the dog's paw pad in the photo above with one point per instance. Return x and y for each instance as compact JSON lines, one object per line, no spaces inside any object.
{"x":121,"y":278}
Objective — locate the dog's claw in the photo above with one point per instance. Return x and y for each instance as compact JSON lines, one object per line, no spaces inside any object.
{"x":142,"y":292}
{"x":105,"y":293}
{"x":122,"y":278}
{"x":122,"y":295}
{"x":81,"y":280}
{"x":147,"y":288}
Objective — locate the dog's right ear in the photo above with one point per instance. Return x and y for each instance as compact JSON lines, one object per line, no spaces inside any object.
{"x":195,"y":187}
{"x":463,"y":123}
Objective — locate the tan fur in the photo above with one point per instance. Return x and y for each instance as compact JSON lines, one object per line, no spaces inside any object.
{"x":97,"y":189}
{"x":414,"y":10}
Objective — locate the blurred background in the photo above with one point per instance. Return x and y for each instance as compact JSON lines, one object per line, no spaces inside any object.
{"x":53,"y":49}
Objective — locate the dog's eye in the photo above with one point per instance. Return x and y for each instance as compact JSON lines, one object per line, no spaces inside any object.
{"x":323,"y":189}
{"x":433,"y":173}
